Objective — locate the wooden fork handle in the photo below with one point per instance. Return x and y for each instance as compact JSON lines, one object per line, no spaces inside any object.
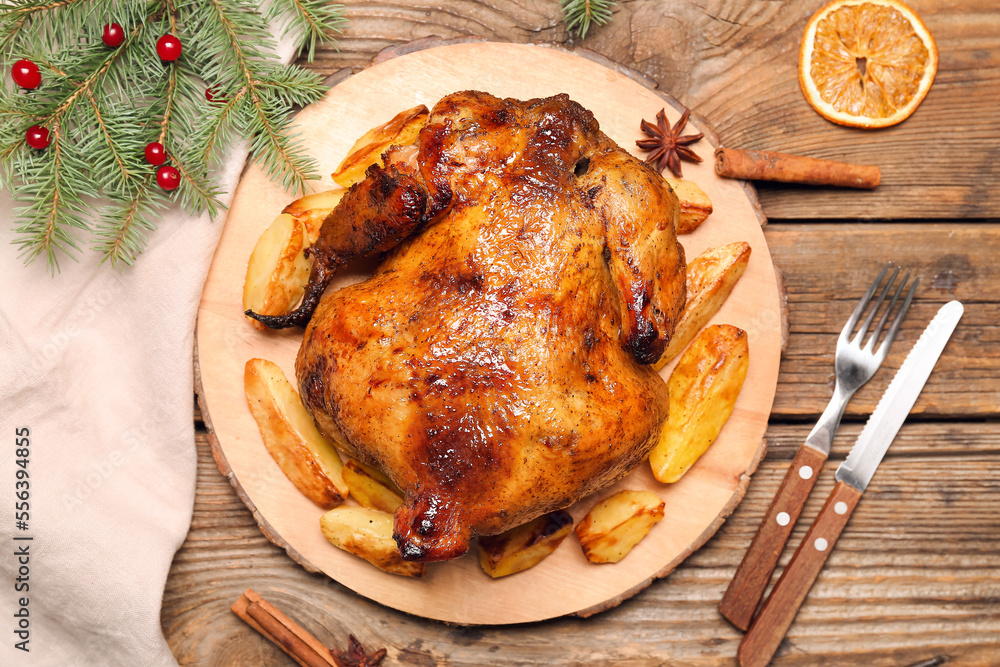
{"x":753,"y":575}
{"x":779,"y":610}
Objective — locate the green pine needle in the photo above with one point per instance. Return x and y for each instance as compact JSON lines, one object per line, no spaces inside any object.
{"x":103,"y":106}
{"x":122,"y":229}
{"x":318,"y":20}
{"x":579,"y":15}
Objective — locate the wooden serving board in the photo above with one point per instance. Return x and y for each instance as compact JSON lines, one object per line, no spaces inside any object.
{"x":458,"y":591}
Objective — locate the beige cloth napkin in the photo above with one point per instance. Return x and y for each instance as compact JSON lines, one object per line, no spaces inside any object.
{"x":97,"y":364}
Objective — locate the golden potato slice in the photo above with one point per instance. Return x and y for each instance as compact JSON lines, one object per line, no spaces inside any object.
{"x":616,"y":524}
{"x":367,"y":533}
{"x":695,"y":204}
{"x":278,"y":270}
{"x":711,"y":277}
{"x":703,"y":390}
{"x":371,"y":488}
{"x":525,"y":546}
{"x":312,"y":210}
{"x":366,"y":151}
{"x":290,"y":436}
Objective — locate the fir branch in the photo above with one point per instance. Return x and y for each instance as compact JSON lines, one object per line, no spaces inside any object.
{"x":84,"y":86}
{"x":296,"y":86}
{"x":171,"y":12}
{"x":236,"y":26}
{"x":197,"y":192}
{"x":169,"y":99}
{"x":50,"y":236}
{"x":118,"y":167}
{"x":277,"y":153}
{"x":318,"y":20}
{"x":102,"y":106}
{"x":282,"y":158}
{"x":50,"y":232}
{"x":13,"y":18}
{"x":57,"y":207}
{"x":51,"y":67}
{"x":215,"y":128}
{"x":7,"y":152}
{"x":121,"y":231}
{"x":18,"y":111}
{"x":579,"y":15}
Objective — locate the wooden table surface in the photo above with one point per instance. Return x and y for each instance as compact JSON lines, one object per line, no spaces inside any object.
{"x":915,"y":579}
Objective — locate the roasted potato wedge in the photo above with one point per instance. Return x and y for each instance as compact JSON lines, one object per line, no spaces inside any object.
{"x":312,"y":210}
{"x":366,"y":151}
{"x":367,"y":533}
{"x":290,"y":436}
{"x":525,"y":546}
{"x":616,"y":524}
{"x":703,"y":390}
{"x":695,"y":204}
{"x":278,"y":270}
{"x":371,"y":488}
{"x":711,"y":277}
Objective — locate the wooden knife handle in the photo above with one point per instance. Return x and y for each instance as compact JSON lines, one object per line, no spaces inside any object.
{"x":754,"y":573}
{"x":779,"y":610}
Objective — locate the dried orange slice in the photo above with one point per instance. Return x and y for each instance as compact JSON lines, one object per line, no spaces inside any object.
{"x":866,"y":63}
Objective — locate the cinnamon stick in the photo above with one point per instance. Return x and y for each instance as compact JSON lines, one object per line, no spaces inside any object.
{"x":767,"y":166}
{"x":285,"y":633}
{"x":286,"y":640}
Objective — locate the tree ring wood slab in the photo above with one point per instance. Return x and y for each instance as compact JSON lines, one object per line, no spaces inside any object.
{"x":458,"y":591}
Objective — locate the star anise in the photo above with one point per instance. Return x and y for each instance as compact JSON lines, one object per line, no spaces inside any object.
{"x":666,"y":144}
{"x":356,"y":655}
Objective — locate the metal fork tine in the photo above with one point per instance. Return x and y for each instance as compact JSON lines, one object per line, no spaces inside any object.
{"x":863,"y":329}
{"x":885,"y":315}
{"x":865,"y":300}
{"x":894,"y":329}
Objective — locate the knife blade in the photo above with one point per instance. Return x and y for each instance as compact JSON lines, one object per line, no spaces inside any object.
{"x":898,"y":399}
{"x":853,"y":475}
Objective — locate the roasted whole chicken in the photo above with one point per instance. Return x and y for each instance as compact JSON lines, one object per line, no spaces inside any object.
{"x":495,"y":366}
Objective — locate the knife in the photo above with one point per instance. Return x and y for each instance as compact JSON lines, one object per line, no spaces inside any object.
{"x":853,"y":475}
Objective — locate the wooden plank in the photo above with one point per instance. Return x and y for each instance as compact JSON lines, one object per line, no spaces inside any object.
{"x":827,"y":267}
{"x":913,"y":577}
{"x":373,"y":26}
{"x":736,"y":65}
{"x":916,"y":438}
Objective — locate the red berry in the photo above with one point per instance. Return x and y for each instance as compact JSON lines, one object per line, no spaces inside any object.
{"x":155,"y":154}
{"x":37,"y":137}
{"x":168,"y":47}
{"x":25,"y":74}
{"x":114,"y":35}
{"x":168,"y":177}
{"x":212,"y":95}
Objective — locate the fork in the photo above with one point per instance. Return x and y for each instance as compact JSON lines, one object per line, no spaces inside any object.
{"x":854,"y":365}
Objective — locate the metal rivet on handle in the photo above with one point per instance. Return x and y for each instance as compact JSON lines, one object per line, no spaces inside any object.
{"x":840,"y":507}
{"x":805,"y":472}
{"x":820,"y":544}
{"x":783,"y":518}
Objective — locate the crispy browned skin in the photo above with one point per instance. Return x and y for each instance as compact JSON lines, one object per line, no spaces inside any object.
{"x":492,"y":366}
